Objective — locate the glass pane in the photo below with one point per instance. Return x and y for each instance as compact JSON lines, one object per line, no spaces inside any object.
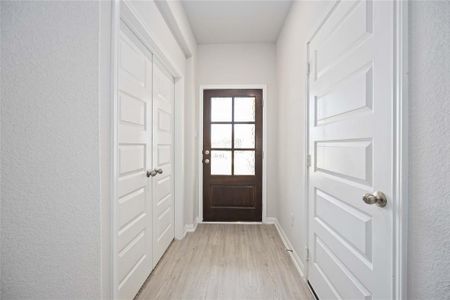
{"x":244,"y":162}
{"x":244,"y":109}
{"x":220,"y":162}
{"x":221,"y":109}
{"x":244,"y":136}
{"x":220,"y":135}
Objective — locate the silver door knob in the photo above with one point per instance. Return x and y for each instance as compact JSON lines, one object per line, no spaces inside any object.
{"x":377,"y":198}
{"x":159,"y":171}
{"x":152,"y":173}
{"x":206,"y":161}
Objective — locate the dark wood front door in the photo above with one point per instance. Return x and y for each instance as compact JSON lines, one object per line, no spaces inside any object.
{"x":232,"y":155}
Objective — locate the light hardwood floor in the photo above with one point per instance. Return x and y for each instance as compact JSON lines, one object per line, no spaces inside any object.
{"x":226,"y":261}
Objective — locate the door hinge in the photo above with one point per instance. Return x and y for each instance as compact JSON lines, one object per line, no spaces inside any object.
{"x":307,"y":253}
{"x":308,"y":68}
{"x":308,"y":160}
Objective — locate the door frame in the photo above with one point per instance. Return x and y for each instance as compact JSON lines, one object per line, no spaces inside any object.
{"x":262,"y":87}
{"x":400,"y":144}
{"x":121,"y":12}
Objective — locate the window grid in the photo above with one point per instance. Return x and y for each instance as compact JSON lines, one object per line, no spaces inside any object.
{"x":232,"y":149}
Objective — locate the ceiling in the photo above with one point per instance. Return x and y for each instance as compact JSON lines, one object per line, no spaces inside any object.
{"x":248,"y":21}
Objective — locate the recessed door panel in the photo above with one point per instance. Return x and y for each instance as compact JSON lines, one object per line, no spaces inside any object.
{"x":351,"y":146}
{"x":133,"y":227}
{"x":163,"y":156}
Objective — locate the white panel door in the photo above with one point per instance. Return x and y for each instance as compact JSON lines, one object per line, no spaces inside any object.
{"x":163,"y":158}
{"x":351,"y":147}
{"x":133,"y":208}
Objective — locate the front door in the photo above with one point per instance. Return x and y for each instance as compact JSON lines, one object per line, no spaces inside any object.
{"x":232,"y":155}
{"x":351,"y":112}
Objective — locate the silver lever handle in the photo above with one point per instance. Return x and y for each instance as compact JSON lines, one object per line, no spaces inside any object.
{"x":377,"y":198}
{"x":159,"y":171}
{"x":152,"y":173}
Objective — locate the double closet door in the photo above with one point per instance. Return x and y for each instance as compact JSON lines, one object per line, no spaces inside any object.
{"x":144,"y":207}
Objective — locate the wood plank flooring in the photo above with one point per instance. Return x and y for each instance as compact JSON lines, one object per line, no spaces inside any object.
{"x":226,"y":261}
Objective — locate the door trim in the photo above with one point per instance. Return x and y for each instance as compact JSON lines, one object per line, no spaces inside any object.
{"x":262,"y":87}
{"x":400,"y":145}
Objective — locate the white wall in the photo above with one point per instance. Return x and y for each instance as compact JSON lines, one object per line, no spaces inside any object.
{"x":291,"y":77}
{"x":429,"y":150}
{"x":50,"y":150}
{"x":246,"y":64}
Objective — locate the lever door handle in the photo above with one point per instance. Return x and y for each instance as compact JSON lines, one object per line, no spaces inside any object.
{"x":159,"y":171}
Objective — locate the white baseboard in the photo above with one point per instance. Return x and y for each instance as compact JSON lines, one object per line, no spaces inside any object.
{"x":190,"y":227}
{"x":293,"y":254}
{"x":181,"y":237}
{"x":269,"y":220}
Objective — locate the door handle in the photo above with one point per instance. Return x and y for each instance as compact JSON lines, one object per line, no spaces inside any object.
{"x":206,"y":161}
{"x":152,"y":173}
{"x":377,"y":198}
{"x":159,"y":171}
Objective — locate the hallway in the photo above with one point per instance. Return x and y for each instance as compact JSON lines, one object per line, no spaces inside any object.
{"x":231,"y":261}
{"x":225,"y":150}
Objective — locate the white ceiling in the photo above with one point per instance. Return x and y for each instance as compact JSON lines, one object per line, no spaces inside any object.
{"x":248,"y":21}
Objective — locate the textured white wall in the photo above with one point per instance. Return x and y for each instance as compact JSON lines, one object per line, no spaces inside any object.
{"x":429,"y":150}
{"x":291,"y":77}
{"x":50,"y":150}
{"x":246,"y":64}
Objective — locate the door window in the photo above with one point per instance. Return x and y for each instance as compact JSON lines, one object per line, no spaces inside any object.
{"x":233,"y":137}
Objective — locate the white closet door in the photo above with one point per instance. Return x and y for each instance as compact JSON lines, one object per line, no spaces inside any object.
{"x":351,"y":144}
{"x":163,"y":158}
{"x":133,"y":225}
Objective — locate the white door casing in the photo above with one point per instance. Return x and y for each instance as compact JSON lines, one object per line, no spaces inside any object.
{"x":163,"y":158}
{"x":351,"y":134}
{"x":133,"y":221}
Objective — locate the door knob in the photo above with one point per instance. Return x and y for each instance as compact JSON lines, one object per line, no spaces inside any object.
{"x":206,"y":152}
{"x":152,"y":173}
{"x":159,"y":171}
{"x":206,"y":161}
{"x":377,"y":198}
